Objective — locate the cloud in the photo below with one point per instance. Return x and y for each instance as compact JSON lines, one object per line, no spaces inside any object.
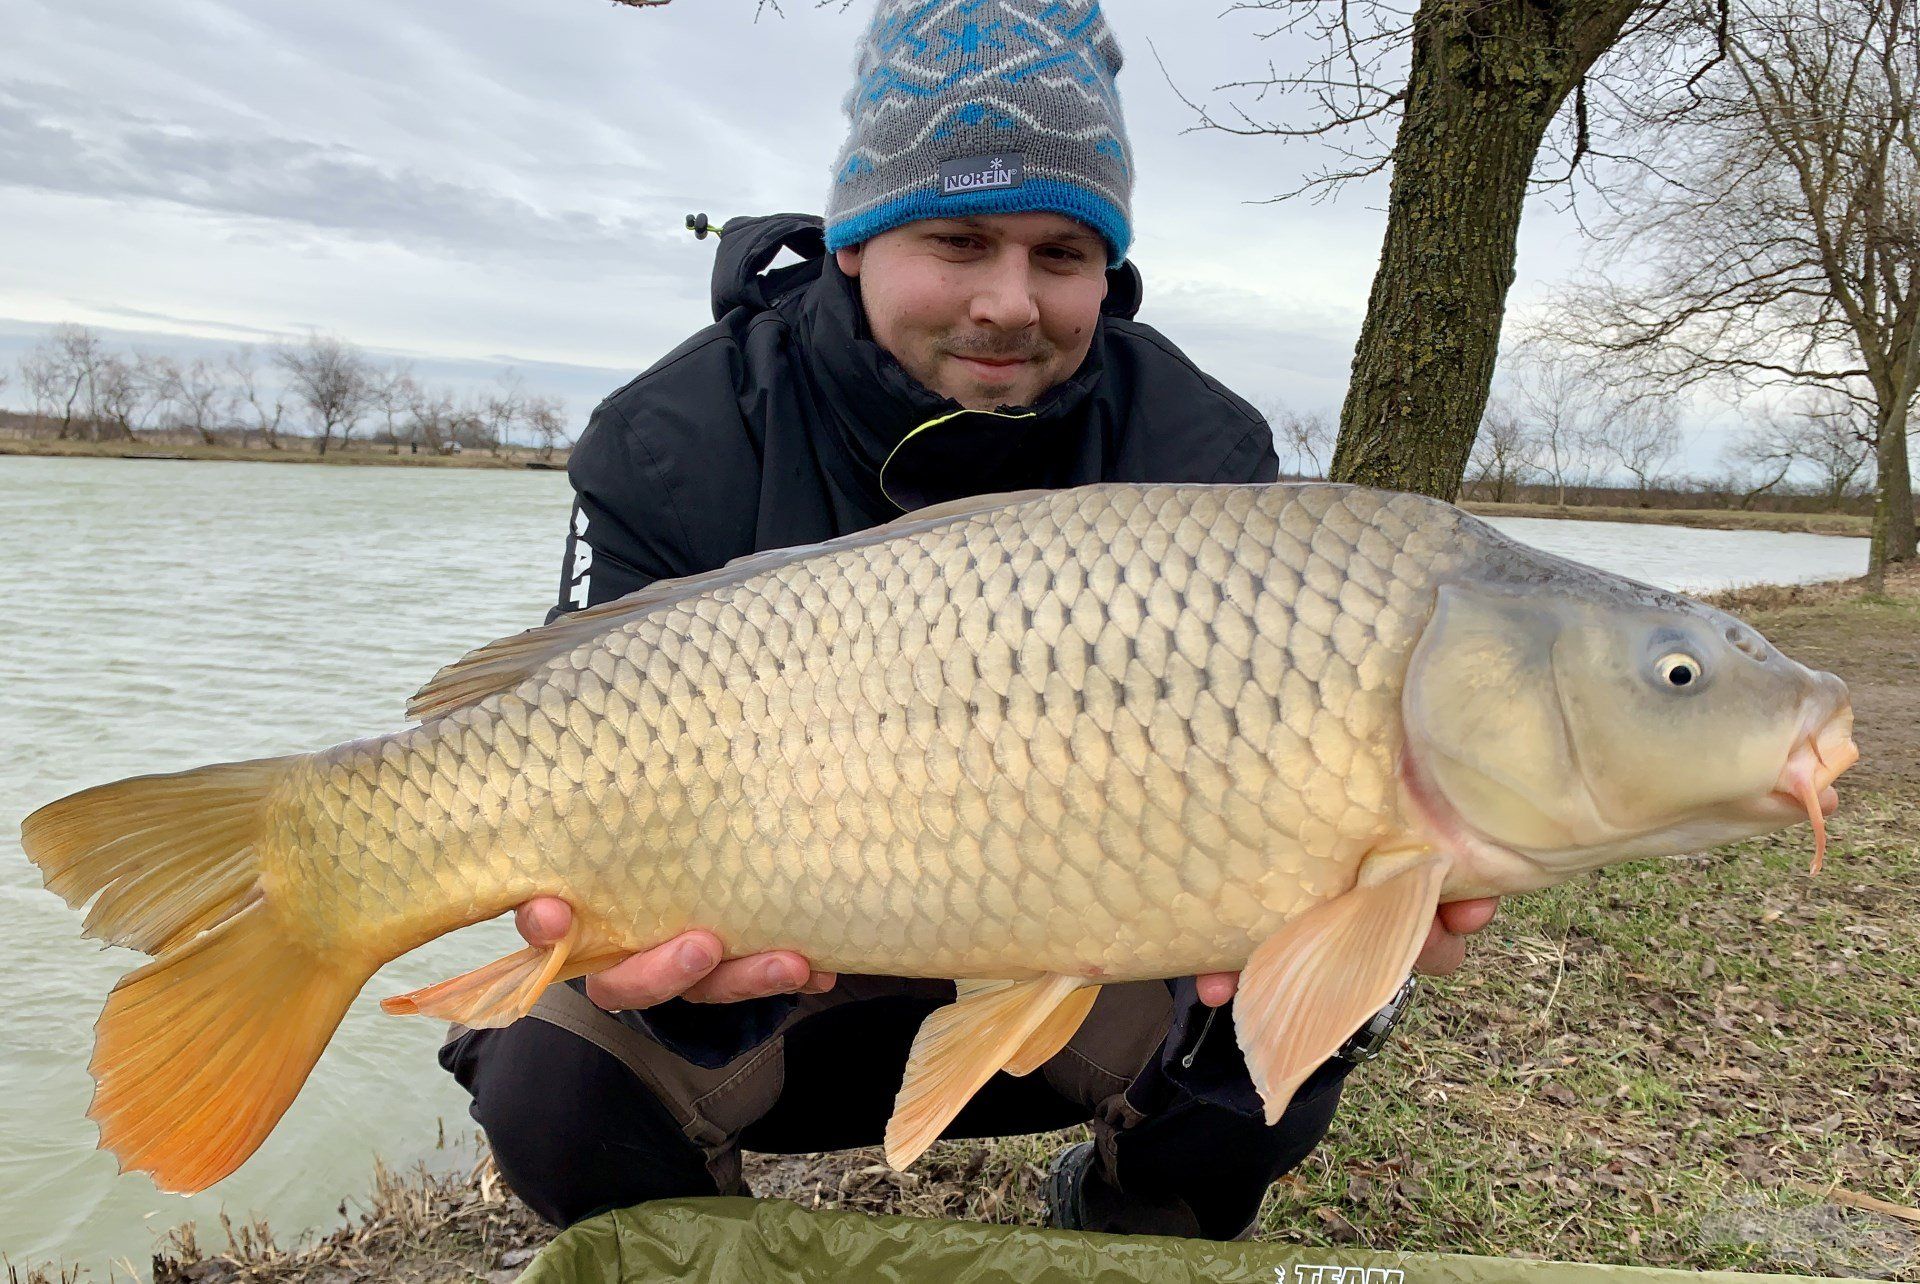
{"x":177,"y":324}
{"x":1265,"y":347}
{"x":46,"y":143}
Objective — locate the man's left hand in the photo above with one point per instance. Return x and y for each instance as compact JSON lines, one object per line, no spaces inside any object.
{"x":1444,"y":952}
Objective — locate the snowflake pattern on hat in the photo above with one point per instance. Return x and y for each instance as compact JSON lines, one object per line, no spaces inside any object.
{"x":984,"y":106}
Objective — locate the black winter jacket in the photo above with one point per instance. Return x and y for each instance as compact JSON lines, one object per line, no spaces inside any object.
{"x":783,"y":423}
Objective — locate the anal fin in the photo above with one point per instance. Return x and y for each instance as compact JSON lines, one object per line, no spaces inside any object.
{"x":495,"y":995}
{"x":960,"y":1046}
{"x":1323,"y":975}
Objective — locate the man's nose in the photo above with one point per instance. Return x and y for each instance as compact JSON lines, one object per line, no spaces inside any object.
{"x":1003,"y":294}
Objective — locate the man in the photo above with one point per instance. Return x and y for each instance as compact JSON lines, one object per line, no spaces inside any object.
{"x":960,"y":325}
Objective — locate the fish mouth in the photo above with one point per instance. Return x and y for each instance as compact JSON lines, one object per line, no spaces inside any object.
{"x":1818,"y":758}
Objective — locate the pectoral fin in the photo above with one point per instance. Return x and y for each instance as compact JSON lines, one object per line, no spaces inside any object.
{"x":1310,"y":985}
{"x":495,"y":995}
{"x":961,"y":1045}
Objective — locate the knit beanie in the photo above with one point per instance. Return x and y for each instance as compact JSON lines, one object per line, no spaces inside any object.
{"x":984,"y":107}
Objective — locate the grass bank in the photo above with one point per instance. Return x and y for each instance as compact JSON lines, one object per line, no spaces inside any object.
{"x":1710,"y":1063}
{"x":296,"y":452}
{"x":1725,"y":519}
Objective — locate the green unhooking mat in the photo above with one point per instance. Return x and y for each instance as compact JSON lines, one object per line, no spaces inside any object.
{"x":737,"y":1240}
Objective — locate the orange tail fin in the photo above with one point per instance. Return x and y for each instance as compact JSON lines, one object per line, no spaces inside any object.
{"x":162,"y":858}
{"x":200,"y":1052}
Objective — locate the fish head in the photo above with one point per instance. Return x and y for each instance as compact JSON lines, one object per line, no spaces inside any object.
{"x":1578,"y":728}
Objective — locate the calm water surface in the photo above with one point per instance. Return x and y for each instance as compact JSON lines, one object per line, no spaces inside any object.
{"x":1695,"y":561}
{"x":155,"y":616}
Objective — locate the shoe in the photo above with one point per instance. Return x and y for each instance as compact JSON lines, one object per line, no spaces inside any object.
{"x":1065,"y":1176}
{"x":1080,"y":1198}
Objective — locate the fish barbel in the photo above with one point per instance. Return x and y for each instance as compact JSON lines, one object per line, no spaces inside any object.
{"x":1032,"y":742}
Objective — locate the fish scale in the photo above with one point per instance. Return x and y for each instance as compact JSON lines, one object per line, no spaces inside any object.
{"x":1034,"y":743}
{"x":1057,"y":736}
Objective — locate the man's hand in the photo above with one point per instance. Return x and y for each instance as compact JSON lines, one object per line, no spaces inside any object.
{"x":687,"y":967}
{"x":1443,"y":953}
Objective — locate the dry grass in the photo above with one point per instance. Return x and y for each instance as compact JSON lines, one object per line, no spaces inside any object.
{"x":419,"y":1228}
{"x":1901,"y":587}
{"x":1643,"y":1067}
{"x":999,"y":1181}
{"x":48,"y":1274}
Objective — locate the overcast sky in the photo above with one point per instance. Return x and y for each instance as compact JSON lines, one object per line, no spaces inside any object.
{"x":471,"y":183}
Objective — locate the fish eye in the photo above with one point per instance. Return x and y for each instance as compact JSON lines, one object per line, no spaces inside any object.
{"x":1678,"y":669}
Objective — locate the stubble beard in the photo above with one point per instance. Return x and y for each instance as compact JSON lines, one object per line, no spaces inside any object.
{"x":977,"y":395}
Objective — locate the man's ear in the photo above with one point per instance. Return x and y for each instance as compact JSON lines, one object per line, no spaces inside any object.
{"x":848,"y":257}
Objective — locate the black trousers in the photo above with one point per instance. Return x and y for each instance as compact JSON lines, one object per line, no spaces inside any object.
{"x":578,"y":1130}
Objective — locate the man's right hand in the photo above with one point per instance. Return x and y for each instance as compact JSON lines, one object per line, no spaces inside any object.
{"x":688,"y":967}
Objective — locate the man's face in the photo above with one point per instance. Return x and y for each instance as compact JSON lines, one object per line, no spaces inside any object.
{"x":990,"y":310}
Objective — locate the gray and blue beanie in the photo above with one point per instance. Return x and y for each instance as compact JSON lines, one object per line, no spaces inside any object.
{"x":984,"y":107}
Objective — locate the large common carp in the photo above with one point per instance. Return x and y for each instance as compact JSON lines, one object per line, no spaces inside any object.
{"x":1033,"y":742}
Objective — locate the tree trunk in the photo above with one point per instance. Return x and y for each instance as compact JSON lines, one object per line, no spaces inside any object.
{"x":1893,"y":529}
{"x":66,"y":418}
{"x":1486,"y":78}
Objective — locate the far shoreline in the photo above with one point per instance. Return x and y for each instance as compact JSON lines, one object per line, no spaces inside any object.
{"x":1852,"y":525}
{"x":300,"y":451}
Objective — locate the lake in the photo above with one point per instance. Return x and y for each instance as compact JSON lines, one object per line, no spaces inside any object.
{"x":155,"y":616}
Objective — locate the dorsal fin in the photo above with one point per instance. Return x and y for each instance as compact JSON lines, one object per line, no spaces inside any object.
{"x":502,"y":665}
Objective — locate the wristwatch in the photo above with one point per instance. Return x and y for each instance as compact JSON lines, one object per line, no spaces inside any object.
{"x":1372,"y":1037}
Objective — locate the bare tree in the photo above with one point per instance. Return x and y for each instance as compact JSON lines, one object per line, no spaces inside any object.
{"x":1758,"y":461}
{"x":430,"y":416}
{"x":1782,"y":243}
{"x":127,"y":390}
{"x":1839,"y":444}
{"x":1642,"y":436}
{"x":1302,"y":439}
{"x":44,"y":379}
{"x":471,"y":425}
{"x":1561,"y":407}
{"x":71,"y":356}
{"x":334,"y":382}
{"x":201,"y":399}
{"x":503,"y":409}
{"x":392,"y":394}
{"x":1828,"y":436}
{"x":265,"y":407}
{"x":546,"y":419}
{"x":1503,"y":452}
